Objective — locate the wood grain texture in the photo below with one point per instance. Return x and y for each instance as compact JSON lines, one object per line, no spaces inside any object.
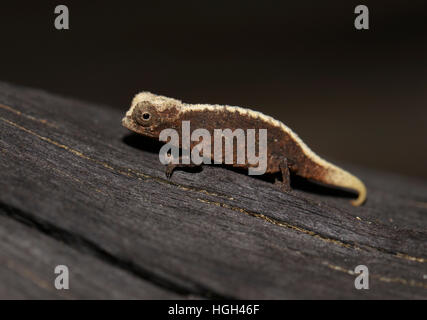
{"x":77,"y":188}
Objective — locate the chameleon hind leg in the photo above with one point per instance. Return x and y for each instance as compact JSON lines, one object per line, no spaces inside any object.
{"x":285,"y":184}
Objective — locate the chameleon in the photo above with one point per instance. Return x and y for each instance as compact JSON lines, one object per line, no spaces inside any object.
{"x":149,"y":114}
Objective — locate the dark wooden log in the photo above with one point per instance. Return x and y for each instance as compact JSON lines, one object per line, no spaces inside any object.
{"x":76,"y":188}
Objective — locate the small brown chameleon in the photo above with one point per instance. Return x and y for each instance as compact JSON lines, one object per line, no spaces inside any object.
{"x":149,"y":114}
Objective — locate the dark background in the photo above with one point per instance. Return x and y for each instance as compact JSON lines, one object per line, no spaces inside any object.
{"x":354,"y":96}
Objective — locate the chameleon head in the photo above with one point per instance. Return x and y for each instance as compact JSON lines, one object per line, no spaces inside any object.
{"x":149,"y":114}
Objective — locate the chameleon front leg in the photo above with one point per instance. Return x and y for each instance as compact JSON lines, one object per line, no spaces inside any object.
{"x":172,"y":166}
{"x":285,"y":184}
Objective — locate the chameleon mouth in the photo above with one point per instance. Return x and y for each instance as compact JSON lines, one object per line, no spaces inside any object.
{"x":127,"y":123}
{"x":130,"y":124}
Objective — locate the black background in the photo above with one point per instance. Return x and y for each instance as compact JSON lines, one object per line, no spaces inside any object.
{"x":353,"y":96}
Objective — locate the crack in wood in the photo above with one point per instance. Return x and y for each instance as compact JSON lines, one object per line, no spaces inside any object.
{"x":420,"y":204}
{"x":402,"y":281}
{"x":84,"y":245}
{"x":19,"y":113}
{"x":130,"y":172}
{"x":64,"y":174}
{"x":311,"y":233}
{"x":28,"y":274}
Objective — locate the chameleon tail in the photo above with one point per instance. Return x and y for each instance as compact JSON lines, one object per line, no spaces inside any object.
{"x":341,"y":178}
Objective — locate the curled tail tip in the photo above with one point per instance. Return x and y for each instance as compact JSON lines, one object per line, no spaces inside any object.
{"x":361,"y":189}
{"x":342,"y":178}
{"x":360,"y":199}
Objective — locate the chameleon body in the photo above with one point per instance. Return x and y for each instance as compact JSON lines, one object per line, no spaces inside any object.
{"x":149,"y":114}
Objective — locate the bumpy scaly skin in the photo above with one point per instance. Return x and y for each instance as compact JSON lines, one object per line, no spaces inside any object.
{"x":285,"y":150}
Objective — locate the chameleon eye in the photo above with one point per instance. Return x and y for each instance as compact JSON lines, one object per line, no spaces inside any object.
{"x":143,"y":114}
